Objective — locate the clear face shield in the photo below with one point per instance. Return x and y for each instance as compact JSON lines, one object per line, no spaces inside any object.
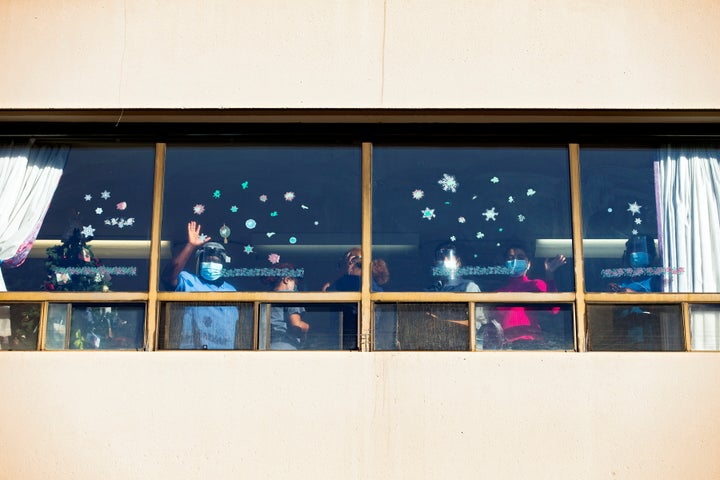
{"x":211,"y":258}
{"x":447,"y":262}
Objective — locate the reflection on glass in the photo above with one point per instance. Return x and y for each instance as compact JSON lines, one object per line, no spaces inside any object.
{"x":265,"y":205}
{"x":634,"y":328}
{"x":479,"y":200}
{"x":705,"y":327}
{"x":669,"y":196}
{"x":206,"y":326}
{"x":524,"y":327}
{"x":86,"y":326}
{"x":19,"y":326}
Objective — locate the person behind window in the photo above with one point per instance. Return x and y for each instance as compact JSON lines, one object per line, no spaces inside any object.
{"x":520,"y":325}
{"x":447,"y":267}
{"x":288,"y":330}
{"x":640,"y":253}
{"x":205,"y":327}
{"x":350,"y":270}
{"x":637,"y":326}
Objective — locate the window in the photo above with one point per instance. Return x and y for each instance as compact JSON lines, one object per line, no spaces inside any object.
{"x":444,"y":245}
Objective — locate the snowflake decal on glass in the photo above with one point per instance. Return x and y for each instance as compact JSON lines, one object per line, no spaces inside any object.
{"x":248,"y":249}
{"x":448,"y":183}
{"x":88,"y":197}
{"x":216,"y":194}
{"x":530,"y":192}
{"x":479,"y":235}
{"x":418,"y":194}
{"x":521,"y":218}
{"x":511,"y":199}
{"x":244,"y":185}
{"x":634,"y":231}
{"x":234,"y":209}
{"x":274,"y":258}
{"x":634,"y":208}
{"x":428,"y":213}
{"x":199,"y":209}
{"x":262,"y":198}
{"x":274,"y":213}
{"x":105,"y":195}
{"x":250,"y":223}
{"x":289,"y":196}
{"x":495,"y":180}
{"x":453,"y":238}
{"x":88,"y":231}
{"x":461,"y":220}
{"x":99,"y":211}
{"x":638,"y":221}
{"x":202,"y":237}
{"x":490,"y":214}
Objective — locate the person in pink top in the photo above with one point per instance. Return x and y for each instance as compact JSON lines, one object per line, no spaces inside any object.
{"x":521,"y":328}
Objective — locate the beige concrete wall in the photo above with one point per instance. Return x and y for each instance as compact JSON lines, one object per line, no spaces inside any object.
{"x":360,"y":54}
{"x":212,"y":415}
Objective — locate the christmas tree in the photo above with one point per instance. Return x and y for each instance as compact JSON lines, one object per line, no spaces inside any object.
{"x":72,"y":267}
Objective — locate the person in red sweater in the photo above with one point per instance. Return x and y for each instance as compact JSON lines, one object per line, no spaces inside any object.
{"x":521,"y":328}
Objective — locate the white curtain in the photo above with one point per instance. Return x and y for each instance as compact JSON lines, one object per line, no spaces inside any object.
{"x":28,"y":179}
{"x":688,"y":197}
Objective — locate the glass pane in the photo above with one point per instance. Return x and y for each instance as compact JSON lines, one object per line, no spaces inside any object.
{"x":308,"y":327}
{"x":207,"y":326}
{"x":444,"y":218}
{"x":261,"y":206}
{"x":19,"y":324}
{"x":95,"y":234}
{"x":88,"y":326}
{"x":705,"y":327}
{"x":650,"y":219}
{"x":634,"y":328}
{"x":524,"y":327}
{"x":422,"y":326}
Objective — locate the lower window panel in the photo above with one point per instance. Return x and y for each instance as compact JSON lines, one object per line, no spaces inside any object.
{"x":445,"y":326}
{"x":19,"y":326}
{"x":633,"y":327}
{"x":95,"y":326}
{"x":705,"y":327}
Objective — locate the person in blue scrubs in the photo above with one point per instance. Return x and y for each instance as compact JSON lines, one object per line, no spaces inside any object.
{"x":203,"y":327}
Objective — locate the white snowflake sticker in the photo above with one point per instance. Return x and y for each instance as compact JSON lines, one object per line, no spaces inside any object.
{"x":448,"y":183}
{"x":289,"y":196}
{"x":105,"y":195}
{"x":198,"y":209}
{"x":479,"y":235}
{"x":418,"y":194}
{"x":530,"y":192}
{"x":634,"y":208}
{"x":88,"y":231}
{"x":490,"y":214}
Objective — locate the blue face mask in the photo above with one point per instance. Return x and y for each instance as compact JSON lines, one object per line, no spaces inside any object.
{"x":639,"y":259}
{"x":210,"y":270}
{"x":517,"y":267}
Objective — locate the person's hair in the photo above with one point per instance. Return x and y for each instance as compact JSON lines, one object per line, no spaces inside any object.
{"x":516,"y":245}
{"x":281,"y":272}
{"x":378,"y":267}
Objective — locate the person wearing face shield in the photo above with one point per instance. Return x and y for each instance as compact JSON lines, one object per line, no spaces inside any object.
{"x":520,"y":325}
{"x":203,"y":327}
{"x":447,"y":268}
{"x":640,"y":253}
